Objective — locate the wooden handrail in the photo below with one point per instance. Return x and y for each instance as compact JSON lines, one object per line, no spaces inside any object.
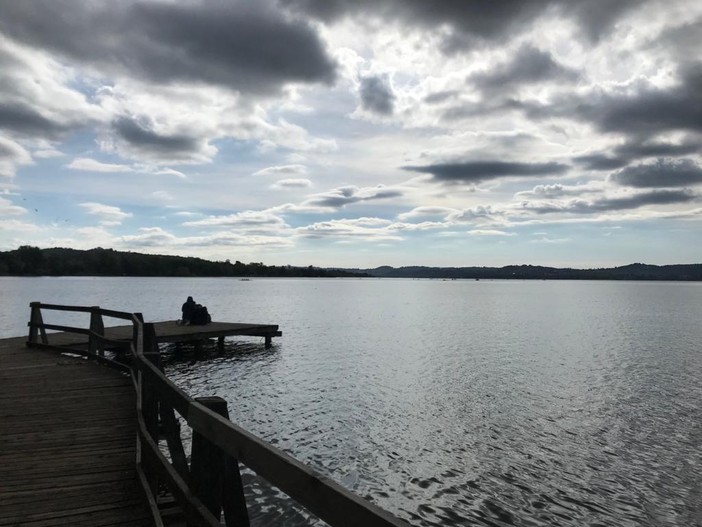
{"x":158,"y":397}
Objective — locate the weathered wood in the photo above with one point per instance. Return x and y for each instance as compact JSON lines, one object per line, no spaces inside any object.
{"x":97,"y":329}
{"x":215,"y":476}
{"x":194,"y":509}
{"x":207,"y":463}
{"x":66,"y":451}
{"x":36,"y":323}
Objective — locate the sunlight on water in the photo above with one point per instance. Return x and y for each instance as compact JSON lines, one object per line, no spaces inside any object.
{"x":450,"y":403}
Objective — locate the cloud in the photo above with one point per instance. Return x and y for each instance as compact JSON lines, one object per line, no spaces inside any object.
{"x":284,"y":184}
{"x":28,"y":121}
{"x":342,"y":196}
{"x":376,"y":95}
{"x":464,"y":26}
{"x":440,"y":96}
{"x":600,"y":162}
{"x":281,"y":170}
{"x":246,"y":46}
{"x":140,"y":139}
{"x":490,"y":232}
{"x":640,"y":112}
{"x":479,"y":171}
{"x":37,"y":99}
{"x":12,"y":155}
{"x":558,"y":190}
{"x":605,"y":204}
{"x":250,"y":220}
{"x":369,"y":229}
{"x":149,"y":237}
{"x":7,"y":208}
{"x":91,"y":165}
{"x":685,"y":39}
{"x":625,"y":153}
{"x":108,"y":215}
{"x":426,"y":212}
{"x":662,"y":173}
{"x":529,"y":65}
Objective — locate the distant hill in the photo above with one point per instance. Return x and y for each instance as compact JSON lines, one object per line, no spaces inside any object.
{"x":32,"y":261}
{"x":636,"y":271}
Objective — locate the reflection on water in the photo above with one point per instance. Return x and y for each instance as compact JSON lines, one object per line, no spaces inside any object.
{"x":461,"y":402}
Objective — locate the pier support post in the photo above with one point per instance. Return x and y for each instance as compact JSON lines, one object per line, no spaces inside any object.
{"x":97,"y":327}
{"x":269,"y":341}
{"x":215,"y":476}
{"x":36,"y":325}
{"x":220,"y":344}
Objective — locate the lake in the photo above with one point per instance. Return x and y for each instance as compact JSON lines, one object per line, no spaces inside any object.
{"x":449,"y":402}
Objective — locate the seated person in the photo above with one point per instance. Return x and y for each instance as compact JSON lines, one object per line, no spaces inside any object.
{"x":188,"y":310}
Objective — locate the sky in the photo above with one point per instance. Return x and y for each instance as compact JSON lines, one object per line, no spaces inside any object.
{"x":355,"y":133}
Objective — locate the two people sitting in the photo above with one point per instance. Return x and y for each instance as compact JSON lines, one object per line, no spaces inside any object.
{"x":194,"y":314}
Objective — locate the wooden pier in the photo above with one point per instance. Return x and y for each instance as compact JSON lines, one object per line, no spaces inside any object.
{"x":170,"y":331}
{"x":86,"y":440}
{"x":67,"y":442}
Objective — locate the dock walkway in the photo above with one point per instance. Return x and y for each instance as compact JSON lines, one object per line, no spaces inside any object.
{"x":67,"y":442}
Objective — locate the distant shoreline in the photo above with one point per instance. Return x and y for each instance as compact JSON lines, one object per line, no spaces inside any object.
{"x":55,"y":262}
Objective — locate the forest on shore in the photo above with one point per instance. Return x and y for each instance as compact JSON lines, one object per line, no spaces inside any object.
{"x":33,"y":261}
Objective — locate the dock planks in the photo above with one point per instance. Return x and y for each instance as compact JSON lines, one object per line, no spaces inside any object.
{"x":67,"y":442}
{"x":168,"y":331}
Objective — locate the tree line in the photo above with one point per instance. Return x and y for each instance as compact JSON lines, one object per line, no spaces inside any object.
{"x":33,"y":261}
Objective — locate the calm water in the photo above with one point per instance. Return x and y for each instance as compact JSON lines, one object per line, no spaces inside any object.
{"x":451,"y":402}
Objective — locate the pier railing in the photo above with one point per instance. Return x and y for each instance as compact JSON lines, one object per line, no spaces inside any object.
{"x":209,"y":486}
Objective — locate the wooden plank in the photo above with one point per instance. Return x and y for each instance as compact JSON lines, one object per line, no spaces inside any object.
{"x":67,"y":442}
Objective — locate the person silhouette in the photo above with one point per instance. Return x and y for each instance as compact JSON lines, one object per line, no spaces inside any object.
{"x":188,"y":310}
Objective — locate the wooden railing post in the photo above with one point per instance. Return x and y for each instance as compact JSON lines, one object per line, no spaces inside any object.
{"x":36,"y":324}
{"x":149,"y":400}
{"x":97,"y":327}
{"x":215,"y":476}
{"x":149,"y":394}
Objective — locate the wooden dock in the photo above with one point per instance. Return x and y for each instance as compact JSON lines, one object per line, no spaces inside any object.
{"x":67,"y":442}
{"x":86,"y":440}
{"x":169,"y":332}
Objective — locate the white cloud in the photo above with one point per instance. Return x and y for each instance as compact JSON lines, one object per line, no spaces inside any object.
{"x":107,"y":214}
{"x":92,"y":165}
{"x":7,"y":208}
{"x":248,"y":221}
{"x":281,"y":170}
{"x":490,"y":232}
{"x":12,"y":156}
{"x":285,"y":184}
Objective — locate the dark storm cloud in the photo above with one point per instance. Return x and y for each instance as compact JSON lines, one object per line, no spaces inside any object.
{"x":646,"y":113}
{"x":685,"y":39}
{"x":578,"y":206}
{"x":246,"y":46}
{"x":656,"y":149}
{"x":21,"y":119}
{"x":663,"y":173}
{"x":473,"y":21}
{"x":376,"y":95}
{"x":629,"y":152}
{"x":600,"y":162}
{"x":478,"y":171}
{"x":529,"y":65}
{"x":141,"y":137}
